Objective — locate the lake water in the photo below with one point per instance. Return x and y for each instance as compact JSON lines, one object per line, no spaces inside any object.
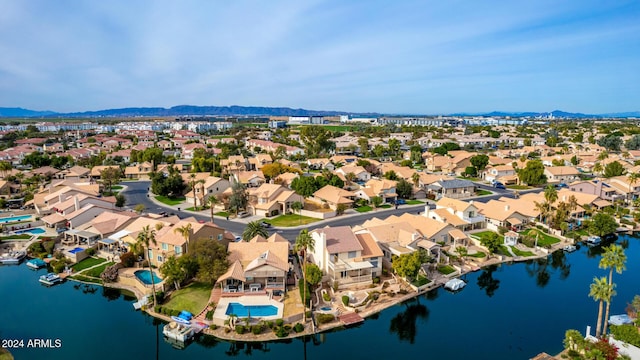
{"x":506,"y":312}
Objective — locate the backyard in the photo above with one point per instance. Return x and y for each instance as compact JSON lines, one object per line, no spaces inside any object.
{"x":545,"y":240}
{"x":87,"y":263}
{"x":290,"y":220}
{"x":192,"y":298}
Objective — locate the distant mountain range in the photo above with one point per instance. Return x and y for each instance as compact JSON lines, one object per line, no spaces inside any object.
{"x":186,"y":110}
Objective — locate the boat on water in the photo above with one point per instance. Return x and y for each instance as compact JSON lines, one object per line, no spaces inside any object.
{"x":50,"y":279}
{"x":569,"y":248}
{"x":593,"y":240}
{"x":455,"y":285}
{"x":620,"y":319}
{"x":36,"y":263}
{"x":178,"y":331}
{"x":12,"y":258}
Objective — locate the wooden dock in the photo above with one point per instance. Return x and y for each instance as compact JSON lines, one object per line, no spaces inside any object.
{"x":350,"y":319}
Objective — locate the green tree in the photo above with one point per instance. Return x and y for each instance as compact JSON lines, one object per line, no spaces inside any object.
{"x":394,"y":146}
{"x":602,"y":224}
{"x":532,"y":173}
{"x":633,"y":143}
{"x":613,"y":258}
{"x":479,"y":161}
{"x":550,"y":194}
{"x":211,"y":257}
{"x":600,"y":291}
{"x":612,"y":169}
{"x":611,"y":142}
{"x":239,"y":198}
{"x":120,"y":200}
{"x":415,"y":178}
{"x":404,"y":189}
{"x":173,"y":272}
{"x":313,"y":274}
{"x":363,"y":144}
{"x":376,"y":201}
{"x":110,"y":176}
{"x":147,"y":237}
{"x":408,"y":265}
{"x":304,"y":186}
{"x":185,"y":232}
{"x":317,"y":140}
{"x":212,"y":201}
{"x":253,"y":229}
{"x":304,"y":243}
{"x":471,"y":171}
{"x":492,"y":242}
{"x":390,"y":175}
{"x":139,"y":208}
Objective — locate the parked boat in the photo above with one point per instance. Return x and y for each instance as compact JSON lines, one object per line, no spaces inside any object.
{"x":50,"y":279}
{"x":455,"y":284}
{"x":593,"y":240}
{"x":12,"y":258}
{"x":620,"y":319}
{"x":36,"y":263}
{"x":178,"y":331}
{"x":570,"y":248}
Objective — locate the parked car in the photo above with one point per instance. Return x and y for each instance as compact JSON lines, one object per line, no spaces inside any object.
{"x":265,"y":224}
{"x":499,"y":185}
{"x":243,"y":214}
{"x":401,"y":202}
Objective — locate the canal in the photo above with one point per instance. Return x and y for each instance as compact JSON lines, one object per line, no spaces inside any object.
{"x":512,"y":311}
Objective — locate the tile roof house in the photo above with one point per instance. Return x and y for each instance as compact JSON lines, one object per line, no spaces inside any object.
{"x":332,"y":196}
{"x":454,"y":188}
{"x":385,"y":189}
{"x":272,"y":200}
{"x":345,"y":258}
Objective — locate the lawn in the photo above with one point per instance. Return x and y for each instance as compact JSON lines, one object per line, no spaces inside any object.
{"x":483,"y":192}
{"x":414,"y":202}
{"x":481,"y":235}
{"x":16,"y":237}
{"x":87,"y":263}
{"x":420,"y":280}
{"x":446,"y":269}
{"x":363,"y":208}
{"x":385,"y":206}
{"x":170,"y":201}
{"x":518,"y":187}
{"x":477,"y":254}
{"x":545,"y":239}
{"x":116,"y":187}
{"x":519,"y":252}
{"x":291,"y":220}
{"x":96,"y":271}
{"x":192,"y":298}
{"x":86,"y":279}
{"x":223,"y":214}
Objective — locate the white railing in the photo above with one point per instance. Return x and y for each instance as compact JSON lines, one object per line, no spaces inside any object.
{"x":474,"y":219}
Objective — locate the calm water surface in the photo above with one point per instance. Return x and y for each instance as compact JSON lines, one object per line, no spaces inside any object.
{"x":505,"y":312}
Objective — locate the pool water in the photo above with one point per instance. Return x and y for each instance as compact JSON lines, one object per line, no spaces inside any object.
{"x":143,"y":275}
{"x":253,"y":310}
{"x":31,"y":231}
{"x":76,"y":250}
{"x":14,"y":218}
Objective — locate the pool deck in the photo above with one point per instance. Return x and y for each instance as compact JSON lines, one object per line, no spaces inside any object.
{"x":219,"y":315}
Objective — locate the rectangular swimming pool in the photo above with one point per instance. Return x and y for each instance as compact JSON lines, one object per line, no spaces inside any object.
{"x":76,"y":250}
{"x":14,"y":218}
{"x":251,"y":310}
{"x":31,"y":231}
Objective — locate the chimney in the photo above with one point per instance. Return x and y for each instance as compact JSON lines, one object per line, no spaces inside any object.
{"x":76,"y":202}
{"x":61,"y":197}
{"x":564,"y":197}
{"x":426,"y":210}
{"x":471,"y":202}
{"x":506,"y":207}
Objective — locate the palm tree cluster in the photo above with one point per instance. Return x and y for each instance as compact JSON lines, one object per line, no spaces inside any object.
{"x":602,"y":289}
{"x":552,"y":213}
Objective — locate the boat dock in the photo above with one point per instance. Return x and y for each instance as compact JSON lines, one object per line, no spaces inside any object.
{"x":350,"y":319}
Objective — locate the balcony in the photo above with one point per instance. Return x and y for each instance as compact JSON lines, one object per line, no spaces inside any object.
{"x":474,"y":219}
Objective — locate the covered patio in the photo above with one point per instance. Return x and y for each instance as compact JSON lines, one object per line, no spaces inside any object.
{"x":79,"y":237}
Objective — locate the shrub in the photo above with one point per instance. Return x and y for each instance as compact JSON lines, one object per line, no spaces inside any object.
{"x":256,"y":329}
{"x":175,"y":312}
{"x":270,"y":324}
{"x":376,"y":280}
{"x":209,"y":315}
{"x":160,"y":296}
{"x":627,"y":333}
{"x":279,"y":322}
{"x":48,"y":246}
{"x":326,"y":297}
{"x":281,"y":332}
{"x":240,"y":329}
{"x":90,"y":252}
{"x":157,"y":309}
{"x":324,"y":318}
{"x":287,"y":327}
{"x":345,"y":300}
{"x":128,"y":259}
{"x":298,"y":328}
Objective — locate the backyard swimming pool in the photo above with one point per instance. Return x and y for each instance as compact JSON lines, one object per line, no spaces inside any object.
{"x":145,"y":277}
{"x":76,"y":250}
{"x":252,"y":310}
{"x":34,"y":231}
{"x":14,"y":218}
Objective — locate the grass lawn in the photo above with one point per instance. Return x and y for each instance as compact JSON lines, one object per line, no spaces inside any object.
{"x":363,"y":208}
{"x":519,"y":252}
{"x":477,"y":254}
{"x":96,"y":271}
{"x":481,"y":235}
{"x":414,"y":202}
{"x":504,"y":251}
{"x":385,"y":206}
{"x":116,"y":187}
{"x":545,"y":239}
{"x":87,"y":263}
{"x":87,"y":279}
{"x":192,"y":298}
{"x":483,"y":192}
{"x":170,"y":201}
{"x":16,"y":237}
{"x":291,"y":220}
{"x":420,"y":280}
{"x":446,"y":269}
{"x":223,"y":214}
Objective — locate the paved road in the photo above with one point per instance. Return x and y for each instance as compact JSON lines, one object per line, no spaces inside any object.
{"x":137,"y":193}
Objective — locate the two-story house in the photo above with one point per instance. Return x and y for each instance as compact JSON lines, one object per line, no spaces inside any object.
{"x":382,"y":188}
{"x":272,"y":200}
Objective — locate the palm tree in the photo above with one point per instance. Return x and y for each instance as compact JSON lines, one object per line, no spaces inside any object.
{"x":253,"y":229}
{"x":185,"y":232}
{"x":305,"y":243}
{"x":612,"y":258}
{"x":416,"y":179}
{"x":350,"y":177}
{"x":599,"y":290}
{"x":633,"y":178}
{"x":550,"y":194}
{"x":213,"y":201}
{"x":543,"y":208}
{"x":20,"y":178}
{"x":597,"y":168}
{"x":193,"y":188}
{"x":5,"y":168}
{"x":201,"y":182}
{"x":146,"y":238}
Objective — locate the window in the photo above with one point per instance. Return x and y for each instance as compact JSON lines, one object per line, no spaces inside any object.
{"x":351,"y":254}
{"x":219,"y":236}
{"x":177,"y":250}
{"x":165,"y":246}
{"x":159,"y":258}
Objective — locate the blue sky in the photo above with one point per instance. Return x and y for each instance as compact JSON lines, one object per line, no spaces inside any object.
{"x":424,"y":57}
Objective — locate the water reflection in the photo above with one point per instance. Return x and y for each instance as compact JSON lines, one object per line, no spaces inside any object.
{"x":404,"y":323}
{"x":237,"y":347}
{"x":486,"y":281}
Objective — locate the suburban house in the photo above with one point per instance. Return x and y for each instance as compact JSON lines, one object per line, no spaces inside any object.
{"x":320,"y":164}
{"x":139,"y":171}
{"x":76,"y":173}
{"x":249,"y":178}
{"x":205,"y":187}
{"x":461,"y":214}
{"x":341,"y":256}
{"x":501,"y":215}
{"x":256,"y":266}
{"x":600,"y":188}
{"x":455,"y":188}
{"x":361,"y":175}
{"x":272,"y":200}
{"x":382,"y":188}
{"x":506,"y":174}
{"x":561,"y":174}
{"x":333,"y":196}
{"x":258,"y":161}
{"x":234,"y":164}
